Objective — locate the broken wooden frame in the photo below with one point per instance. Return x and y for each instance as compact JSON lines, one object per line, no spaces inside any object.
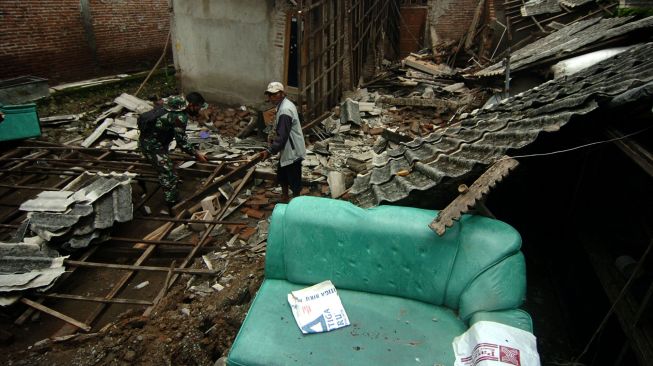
{"x":335,"y":39}
{"x":21,"y":163}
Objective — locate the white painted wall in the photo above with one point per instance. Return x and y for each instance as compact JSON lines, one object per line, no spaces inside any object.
{"x":228,"y":50}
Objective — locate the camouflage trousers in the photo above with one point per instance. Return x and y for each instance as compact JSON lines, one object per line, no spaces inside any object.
{"x":158,"y":157}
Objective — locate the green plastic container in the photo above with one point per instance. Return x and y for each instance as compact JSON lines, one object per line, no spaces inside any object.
{"x":21,"y":122}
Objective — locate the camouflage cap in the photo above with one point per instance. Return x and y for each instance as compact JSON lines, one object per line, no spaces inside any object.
{"x":175,"y":103}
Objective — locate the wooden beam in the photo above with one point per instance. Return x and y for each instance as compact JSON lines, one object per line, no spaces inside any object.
{"x":196,"y":271}
{"x":98,"y":299}
{"x":55,"y":314}
{"x":201,"y":242}
{"x":639,"y":154}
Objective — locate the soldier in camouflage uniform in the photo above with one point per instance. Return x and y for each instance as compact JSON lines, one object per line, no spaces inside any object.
{"x":156,"y":135}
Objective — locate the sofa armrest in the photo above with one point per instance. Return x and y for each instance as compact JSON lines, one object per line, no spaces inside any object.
{"x":514,"y":317}
{"x":275,"y":267}
{"x":500,"y":287}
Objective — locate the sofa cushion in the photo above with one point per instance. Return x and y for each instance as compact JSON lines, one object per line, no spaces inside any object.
{"x":384,"y":330}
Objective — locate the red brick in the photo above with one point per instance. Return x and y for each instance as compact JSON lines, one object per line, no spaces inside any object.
{"x":245,"y":234}
{"x":256,"y":214}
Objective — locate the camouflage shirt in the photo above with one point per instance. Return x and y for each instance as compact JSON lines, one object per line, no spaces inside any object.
{"x":170,"y":125}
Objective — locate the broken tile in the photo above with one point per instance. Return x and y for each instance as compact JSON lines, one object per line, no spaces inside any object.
{"x":97,"y":133}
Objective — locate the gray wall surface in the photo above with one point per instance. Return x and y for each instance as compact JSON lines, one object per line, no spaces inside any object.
{"x":228,"y":50}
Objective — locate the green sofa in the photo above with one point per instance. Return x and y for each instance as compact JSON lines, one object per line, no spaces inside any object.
{"x":407,"y":291}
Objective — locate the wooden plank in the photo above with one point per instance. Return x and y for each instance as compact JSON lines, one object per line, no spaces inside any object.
{"x":195,"y":271}
{"x":202,"y":241}
{"x":424,"y":66}
{"x":98,"y":299}
{"x":634,"y":150}
{"x":55,"y":314}
{"x":23,"y":318}
{"x":121,"y":283}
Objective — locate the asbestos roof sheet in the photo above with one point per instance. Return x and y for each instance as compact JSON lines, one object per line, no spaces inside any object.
{"x":100,"y":202}
{"x":29,"y":264}
{"x":469,"y":146}
{"x":536,"y":7}
{"x":565,"y":42}
{"x":56,"y":201}
{"x":574,"y":3}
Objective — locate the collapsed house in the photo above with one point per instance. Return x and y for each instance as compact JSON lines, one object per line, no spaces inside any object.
{"x":415,"y":133}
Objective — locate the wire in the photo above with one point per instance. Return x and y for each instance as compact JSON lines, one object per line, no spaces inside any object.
{"x":577,"y":147}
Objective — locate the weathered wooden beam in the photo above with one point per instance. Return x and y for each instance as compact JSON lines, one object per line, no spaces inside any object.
{"x":196,"y":271}
{"x":97,"y":299}
{"x":55,"y":314}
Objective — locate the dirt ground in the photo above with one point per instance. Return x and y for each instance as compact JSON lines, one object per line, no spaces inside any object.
{"x":183,"y":330}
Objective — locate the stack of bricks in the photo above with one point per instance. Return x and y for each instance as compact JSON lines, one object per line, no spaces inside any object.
{"x":228,"y":121}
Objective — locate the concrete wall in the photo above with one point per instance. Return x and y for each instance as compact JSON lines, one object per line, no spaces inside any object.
{"x":68,"y":40}
{"x":229,"y":50}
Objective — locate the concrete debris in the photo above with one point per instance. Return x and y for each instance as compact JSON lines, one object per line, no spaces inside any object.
{"x":350,"y":113}
{"x":336,"y":184}
{"x":142,"y":285}
{"x":97,"y":133}
{"x":133,"y":103}
{"x":428,"y":67}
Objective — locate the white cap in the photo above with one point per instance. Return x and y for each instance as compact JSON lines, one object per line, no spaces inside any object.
{"x":274,"y":87}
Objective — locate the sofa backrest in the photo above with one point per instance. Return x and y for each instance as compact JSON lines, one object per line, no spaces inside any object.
{"x":391,"y":250}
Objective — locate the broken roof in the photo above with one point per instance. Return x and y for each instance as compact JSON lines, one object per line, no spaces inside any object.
{"x":567,"y":42}
{"x":488,"y":134}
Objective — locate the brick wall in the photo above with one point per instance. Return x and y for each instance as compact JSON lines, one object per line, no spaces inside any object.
{"x":48,"y":38}
{"x":452,"y":18}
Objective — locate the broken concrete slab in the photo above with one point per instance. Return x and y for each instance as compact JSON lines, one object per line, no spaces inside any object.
{"x":211,"y":204}
{"x":441,"y":104}
{"x":349,"y":113}
{"x":97,"y":133}
{"x":336,"y":182}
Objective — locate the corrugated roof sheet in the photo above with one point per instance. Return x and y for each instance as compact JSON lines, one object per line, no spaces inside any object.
{"x":469,"y":146}
{"x":99,"y":202}
{"x":536,"y":7}
{"x":574,"y":3}
{"x":26,"y":265}
{"x":559,"y":45}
